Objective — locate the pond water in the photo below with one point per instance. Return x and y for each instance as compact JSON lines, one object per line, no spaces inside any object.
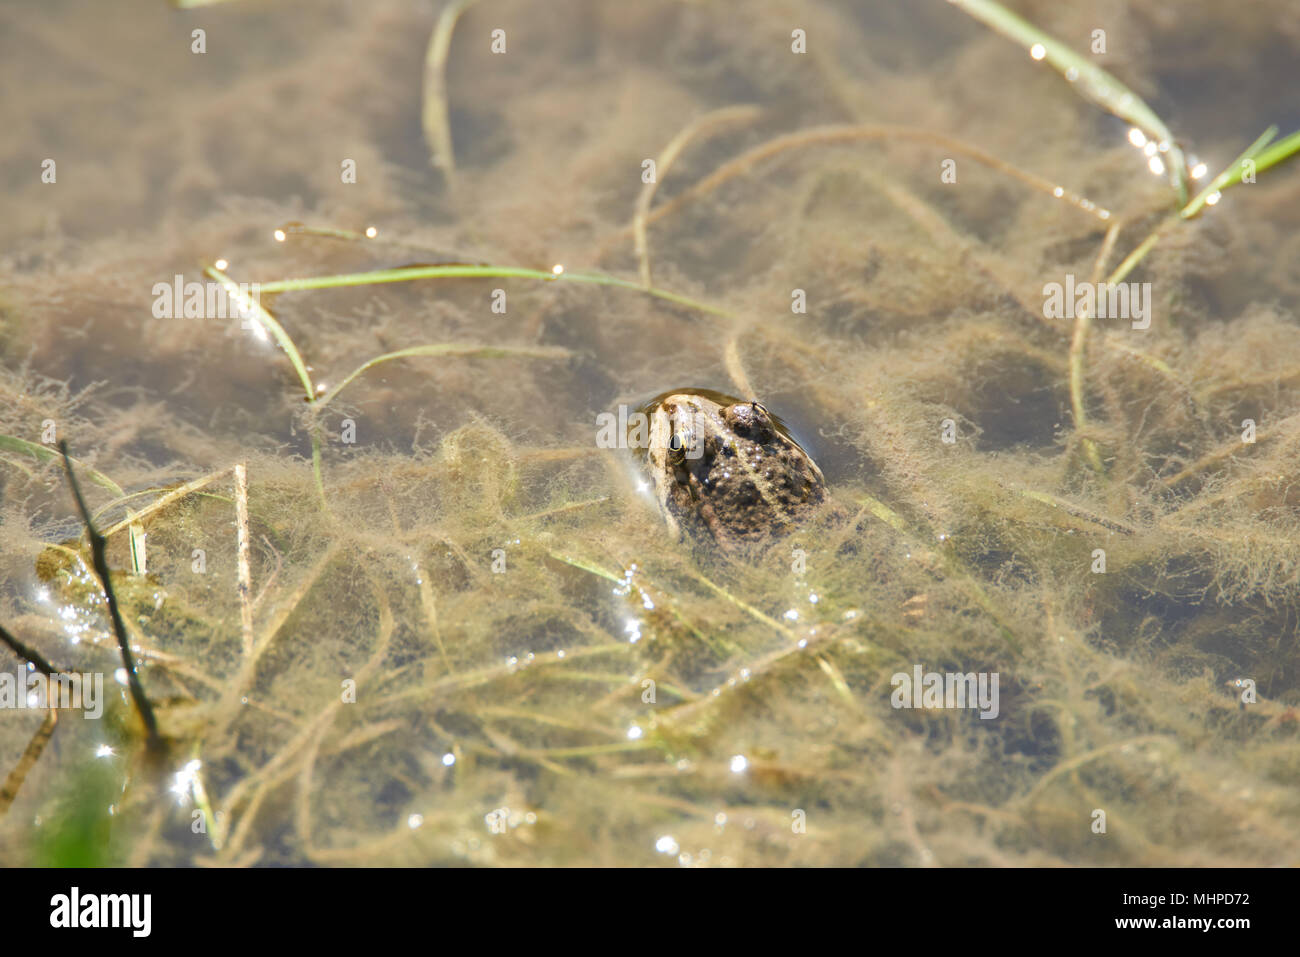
{"x":459,"y":633}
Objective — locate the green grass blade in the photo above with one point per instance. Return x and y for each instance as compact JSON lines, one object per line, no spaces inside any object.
{"x":1263,"y":157}
{"x":43,"y":453}
{"x":270,"y":323}
{"x":1088,"y":79}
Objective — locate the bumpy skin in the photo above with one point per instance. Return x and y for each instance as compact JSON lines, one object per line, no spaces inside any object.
{"x":727,"y":470}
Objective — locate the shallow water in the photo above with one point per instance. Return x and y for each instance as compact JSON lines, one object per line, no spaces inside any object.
{"x":473,"y":642}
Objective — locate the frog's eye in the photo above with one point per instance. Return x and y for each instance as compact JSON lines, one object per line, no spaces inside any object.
{"x":684,"y":444}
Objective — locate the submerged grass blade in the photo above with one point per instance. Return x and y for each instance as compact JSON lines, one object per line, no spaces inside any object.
{"x":467,"y":271}
{"x":168,"y":496}
{"x":43,"y":453}
{"x":260,"y":315}
{"x":588,"y":566}
{"x":268,"y":322}
{"x":436,"y":117}
{"x":709,"y":121}
{"x":448,"y":349}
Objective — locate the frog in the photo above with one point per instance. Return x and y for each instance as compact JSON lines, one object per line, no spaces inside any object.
{"x":726,"y":471}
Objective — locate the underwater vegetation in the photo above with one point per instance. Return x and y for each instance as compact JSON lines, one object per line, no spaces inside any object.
{"x":386,"y":595}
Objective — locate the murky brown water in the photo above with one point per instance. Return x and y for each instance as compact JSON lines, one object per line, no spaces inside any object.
{"x":473,"y":642}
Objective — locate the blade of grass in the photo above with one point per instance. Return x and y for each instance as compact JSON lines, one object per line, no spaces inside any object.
{"x":1090,"y":80}
{"x":1264,"y":156}
{"x":132,"y":523}
{"x":587,"y":566}
{"x":45,"y":454}
{"x":258,"y":314}
{"x":468,"y":271}
{"x":858,"y":133}
{"x":448,"y":349}
{"x":435,"y":116}
{"x":1279,"y":152}
{"x":168,"y":496}
{"x":713,"y":120}
{"x":269,"y":323}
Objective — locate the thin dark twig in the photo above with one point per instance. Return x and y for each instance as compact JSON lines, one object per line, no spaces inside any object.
{"x":119,"y":628}
{"x":28,"y":654}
